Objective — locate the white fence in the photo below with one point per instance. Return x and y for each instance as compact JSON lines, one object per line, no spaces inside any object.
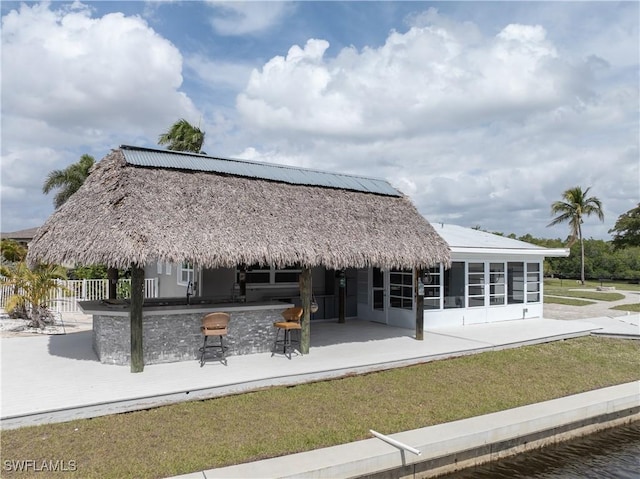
{"x":65,"y":298}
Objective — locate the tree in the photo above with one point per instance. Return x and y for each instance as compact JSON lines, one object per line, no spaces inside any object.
{"x":31,"y":291}
{"x":183,"y":136}
{"x":573,"y":209}
{"x":69,"y":180}
{"x":627,"y":229}
{"x":12,"y":251}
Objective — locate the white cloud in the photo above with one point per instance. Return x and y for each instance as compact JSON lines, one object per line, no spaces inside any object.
{"x":241,"y":18}
{"x":426,"y":77}
{"x":483,"y":129}
{"x":482,"y":124}
{"x":91,"y":73}
{"x":78,"y":84}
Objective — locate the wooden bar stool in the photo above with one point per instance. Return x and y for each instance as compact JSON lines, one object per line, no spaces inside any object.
{"x":291,"y":322}
{"x":214,"y":324}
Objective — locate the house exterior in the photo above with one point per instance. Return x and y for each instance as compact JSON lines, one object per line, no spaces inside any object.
{"x":491,"y":278}
{"x":242,"y":233}
{"x":237,"y":230}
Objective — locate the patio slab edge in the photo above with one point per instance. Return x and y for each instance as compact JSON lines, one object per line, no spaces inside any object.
{"x":456,"y":445}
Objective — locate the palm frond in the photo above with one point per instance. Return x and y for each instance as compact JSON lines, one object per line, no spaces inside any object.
{"x":182,"y":136}
{"x":68,"y":180}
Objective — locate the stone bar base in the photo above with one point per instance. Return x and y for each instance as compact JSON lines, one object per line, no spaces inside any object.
{"x":171,"y":334}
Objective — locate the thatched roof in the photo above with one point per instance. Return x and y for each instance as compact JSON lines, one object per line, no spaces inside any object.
{"x":125,"y":214}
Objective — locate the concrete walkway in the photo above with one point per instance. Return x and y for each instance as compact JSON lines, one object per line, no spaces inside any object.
{"x":59,"y":378}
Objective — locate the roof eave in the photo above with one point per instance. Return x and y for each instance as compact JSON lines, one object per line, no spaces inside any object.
{"x":546,"y":252}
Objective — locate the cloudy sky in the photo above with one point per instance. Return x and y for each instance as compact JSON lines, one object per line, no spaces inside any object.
{"x":483,"y":113}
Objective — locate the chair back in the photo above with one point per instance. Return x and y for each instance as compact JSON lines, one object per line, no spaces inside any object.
{"x":215,"y":323}
{"x":292,"y":315}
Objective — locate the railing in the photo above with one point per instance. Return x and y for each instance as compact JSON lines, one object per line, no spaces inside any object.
{"x":64,"y":299}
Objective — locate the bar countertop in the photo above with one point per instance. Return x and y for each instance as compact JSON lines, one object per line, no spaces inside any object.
{"x":163,"y":306}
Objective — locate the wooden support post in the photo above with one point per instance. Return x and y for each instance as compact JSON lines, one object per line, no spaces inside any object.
{"x":419,"y":289}
{"x":135,"y":317}
{"x":305,"y":295}
{"x":342,"y":296}
{"x":112,"y":281}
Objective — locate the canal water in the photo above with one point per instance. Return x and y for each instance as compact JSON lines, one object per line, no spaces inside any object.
{"x":609,"y":454}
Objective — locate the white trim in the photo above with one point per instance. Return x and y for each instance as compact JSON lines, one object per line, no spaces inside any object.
{"x":256,"y":286}
{"x":551,"y":252}
{"x":190,"y":273}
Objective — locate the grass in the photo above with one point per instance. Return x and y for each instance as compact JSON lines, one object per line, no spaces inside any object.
{"x":200,"y":435}
{"x":596,"y":295}
{"x":633,"y":307}
{"x":567,"y":301}
{"x":566,"y":284}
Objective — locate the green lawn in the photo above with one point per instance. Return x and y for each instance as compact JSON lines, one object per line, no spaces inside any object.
{"x":633,"y":307}
{"x":199,"y":435}
{"x":567,"y":301}
{"x":566,"y":284}
{"x":596,"y":295}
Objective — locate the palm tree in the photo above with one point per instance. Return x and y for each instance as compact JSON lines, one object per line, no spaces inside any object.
{"x":573,"y":209}
{"x":68,"y":180}
{"x":183,"y":136}
{"x":12,"y":251}
{"x":32,"y":289}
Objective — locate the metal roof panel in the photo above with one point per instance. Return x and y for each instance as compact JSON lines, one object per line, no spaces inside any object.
{"x":153,"y":158}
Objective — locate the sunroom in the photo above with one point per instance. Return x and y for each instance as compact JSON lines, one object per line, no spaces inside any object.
{"x":492,"y":278}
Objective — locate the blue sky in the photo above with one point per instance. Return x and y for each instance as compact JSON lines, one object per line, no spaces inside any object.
{"x":481,"y":112}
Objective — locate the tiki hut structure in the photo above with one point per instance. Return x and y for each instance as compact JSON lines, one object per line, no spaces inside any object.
{"x":141,"y":205}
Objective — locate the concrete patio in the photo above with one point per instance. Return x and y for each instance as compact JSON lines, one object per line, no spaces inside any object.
{"x":59,"y":378}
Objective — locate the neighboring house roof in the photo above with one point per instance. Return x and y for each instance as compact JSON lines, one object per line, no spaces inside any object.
{"x":469,"y":240}
{"x":131,"y":211}
{"x":21,"y":235}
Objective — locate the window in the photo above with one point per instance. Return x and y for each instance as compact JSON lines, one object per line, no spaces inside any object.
{"x":475,"y":281}
{"x":454,"y":286}
{"x":257,"y":274}
{"x":167,"y":268}
{"x":378,"y":289}
{"x":401,"y":289}
{"x":515,"y":277}
{"x":496,"y":284}
{"x":287,"y":275}
{"x":185,"y":273}
{"x":159,"y":267}
{"x":432,"y":288}
{"x":533,"y":282}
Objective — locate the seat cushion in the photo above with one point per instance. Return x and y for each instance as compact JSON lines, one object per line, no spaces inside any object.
{"x":287,"y":325}
{"x":213,"y":331}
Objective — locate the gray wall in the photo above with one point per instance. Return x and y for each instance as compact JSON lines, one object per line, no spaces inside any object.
{"x":177,"y":337}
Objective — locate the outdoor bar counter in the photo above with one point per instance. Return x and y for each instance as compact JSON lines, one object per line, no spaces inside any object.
{"x":171,"y":331}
